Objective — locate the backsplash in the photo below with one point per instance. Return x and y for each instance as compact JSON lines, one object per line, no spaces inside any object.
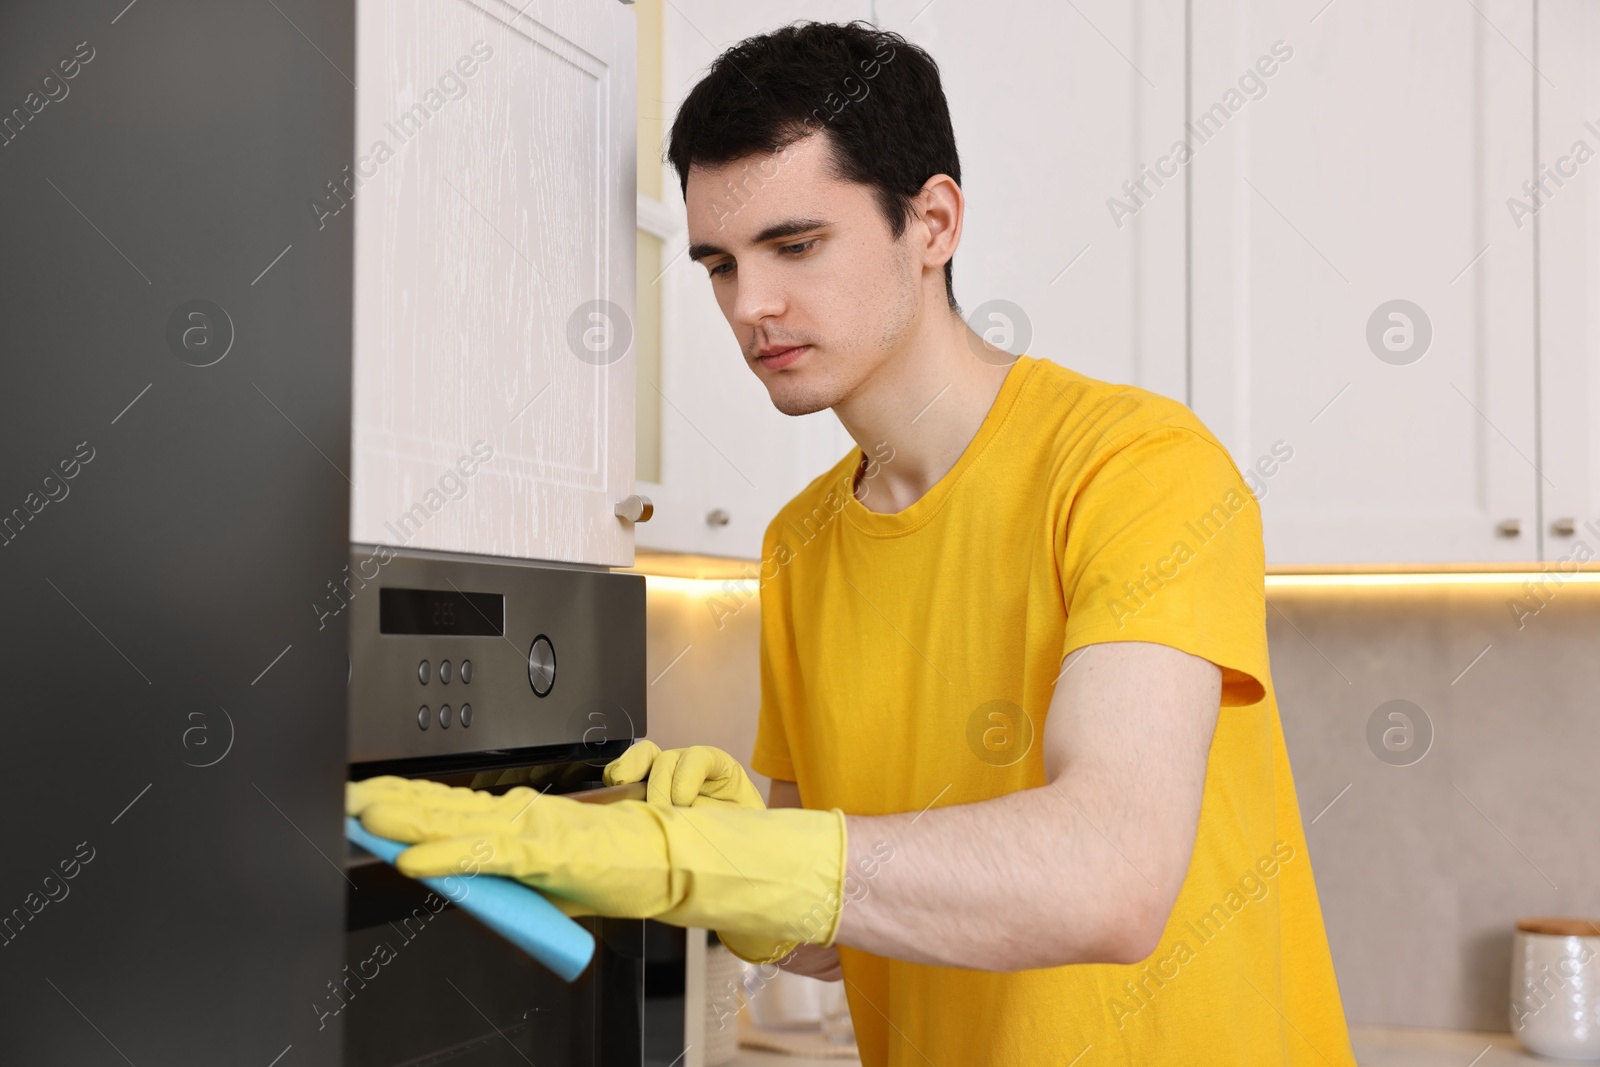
{"x":701,"y":645}
{"x":1422,"y":865}
{"x":1423,"y":869}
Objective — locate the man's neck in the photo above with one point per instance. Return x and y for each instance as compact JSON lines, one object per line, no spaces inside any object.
{"x":927,"y":402}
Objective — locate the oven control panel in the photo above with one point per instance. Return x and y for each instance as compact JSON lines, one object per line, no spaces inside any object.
{"x":453,"y":654}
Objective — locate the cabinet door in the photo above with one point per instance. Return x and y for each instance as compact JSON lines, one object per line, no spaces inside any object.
{"x":1362,"y":297}
{"x":1568,"y":225}
{"x":1060,"y":110}
{"x":729,"y":459}
{"x":494,"y":229}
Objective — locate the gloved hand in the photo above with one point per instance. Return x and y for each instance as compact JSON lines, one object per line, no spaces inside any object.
{"x":359,"y":796}
{"x":698,"y":777}
{"x":695,"y":777}
{"x":762,"y":876}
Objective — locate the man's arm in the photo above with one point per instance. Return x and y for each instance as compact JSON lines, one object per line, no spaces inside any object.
{"x":783,"y":794}
{"x":813,"y":961}
{"x":1085,"y":869}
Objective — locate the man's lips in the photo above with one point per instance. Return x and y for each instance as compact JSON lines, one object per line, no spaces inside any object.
{"x":783,"y":357}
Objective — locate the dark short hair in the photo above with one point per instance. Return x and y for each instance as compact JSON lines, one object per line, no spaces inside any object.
{"x":877,"y":97}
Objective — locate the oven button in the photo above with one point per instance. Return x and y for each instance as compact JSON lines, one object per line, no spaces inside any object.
{"x":422,"y":717}
{"x":444,"y":672}
{"x":465,"y":715}
{"x":444,"y":717}
{"x":422,"y":672}
{"x":466,"y":671}
{"x":542,"y":665}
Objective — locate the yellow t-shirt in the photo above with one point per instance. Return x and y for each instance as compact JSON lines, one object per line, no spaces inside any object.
{"x":903,"y":652}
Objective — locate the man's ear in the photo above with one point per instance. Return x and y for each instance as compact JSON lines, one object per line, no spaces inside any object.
{"x":941,"y":209}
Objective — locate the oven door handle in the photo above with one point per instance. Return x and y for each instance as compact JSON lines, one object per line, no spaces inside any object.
{"x":610,"y":794}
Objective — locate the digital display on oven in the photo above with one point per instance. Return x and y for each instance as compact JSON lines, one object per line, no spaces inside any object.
{"x":444,"y":612}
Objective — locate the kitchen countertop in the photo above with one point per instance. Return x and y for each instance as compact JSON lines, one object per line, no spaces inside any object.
{"x":1404,"y":1046}
{"x":754,"y":1057}
{"x":1375,"y":1046}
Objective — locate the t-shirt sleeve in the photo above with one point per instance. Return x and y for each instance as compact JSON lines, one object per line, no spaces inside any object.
{"x":778,"y":667}
{"x":1162,"y":543}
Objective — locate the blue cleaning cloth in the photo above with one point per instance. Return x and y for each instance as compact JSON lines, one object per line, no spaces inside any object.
{"x":514,"y":911}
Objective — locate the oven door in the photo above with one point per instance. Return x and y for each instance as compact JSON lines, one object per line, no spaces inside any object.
{"x":424,"y":983}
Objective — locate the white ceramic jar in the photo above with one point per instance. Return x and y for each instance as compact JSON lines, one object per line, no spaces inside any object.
{"x":1555,"y":987}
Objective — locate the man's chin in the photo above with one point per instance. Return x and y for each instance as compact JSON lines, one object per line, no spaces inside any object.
{"x":792,"y":401}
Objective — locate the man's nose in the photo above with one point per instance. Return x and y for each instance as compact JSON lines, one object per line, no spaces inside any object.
{"x":761,"y":295}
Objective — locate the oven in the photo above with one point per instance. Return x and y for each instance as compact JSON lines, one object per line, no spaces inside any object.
{"x":494,"y":673}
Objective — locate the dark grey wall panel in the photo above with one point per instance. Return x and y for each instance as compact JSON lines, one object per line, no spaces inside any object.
{"x":174,"y":721}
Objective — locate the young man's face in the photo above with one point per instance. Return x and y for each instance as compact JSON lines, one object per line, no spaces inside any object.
{"x":801,"y":260}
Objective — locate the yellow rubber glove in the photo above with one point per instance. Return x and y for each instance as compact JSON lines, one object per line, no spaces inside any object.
{"x":698,"y":777}
{"x":771,"y":876}
{"x":358,"y":796}
{"x":695,"y":777}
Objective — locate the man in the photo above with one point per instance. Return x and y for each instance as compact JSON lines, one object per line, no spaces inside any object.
{"x":1030,"y":795}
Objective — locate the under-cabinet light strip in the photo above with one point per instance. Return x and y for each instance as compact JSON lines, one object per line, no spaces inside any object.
{"x":1554,"y":576}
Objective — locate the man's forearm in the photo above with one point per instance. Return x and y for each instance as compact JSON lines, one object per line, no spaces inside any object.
{"x":1036,"y":878}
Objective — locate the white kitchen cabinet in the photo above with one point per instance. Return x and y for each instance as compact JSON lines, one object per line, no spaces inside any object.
{"x":1340,"y":159}
{"x":728,"y":459}
{"x":493,"y":197}
{"x":1375,"y":167}
{"x":1054,"y":109}
{"x":1058,"y":109}
{"x":1568,"y":224}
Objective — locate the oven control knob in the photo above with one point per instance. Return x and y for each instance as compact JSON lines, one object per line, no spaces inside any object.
{"x":542,"y":665}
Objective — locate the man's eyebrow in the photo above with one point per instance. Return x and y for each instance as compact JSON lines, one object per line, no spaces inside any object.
{"x":778,"y":230}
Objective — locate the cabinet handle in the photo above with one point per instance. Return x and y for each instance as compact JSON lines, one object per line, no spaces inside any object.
{"x":1509,"y":527}
{"x":1564,"y":527}
{"x":717,"y":517}
{"x":635,"y":508}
